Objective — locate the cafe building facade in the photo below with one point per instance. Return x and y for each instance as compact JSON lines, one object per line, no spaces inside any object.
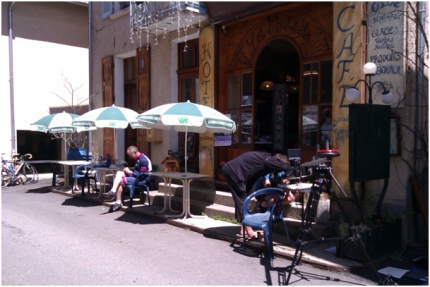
{"x":279,"y":70}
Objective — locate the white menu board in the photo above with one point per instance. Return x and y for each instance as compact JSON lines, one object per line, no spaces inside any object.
{"x":386,"y":48}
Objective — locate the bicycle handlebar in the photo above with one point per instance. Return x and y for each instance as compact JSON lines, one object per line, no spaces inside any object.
{"x":26,"y":156}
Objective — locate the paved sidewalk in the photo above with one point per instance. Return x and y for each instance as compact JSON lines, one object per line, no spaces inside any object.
{"x":316,"y":255}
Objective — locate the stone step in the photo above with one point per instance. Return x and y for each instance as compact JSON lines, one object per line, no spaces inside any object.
{"x":221,"y":211}
{"x":225,"y":198}
{"x":205,"y":191}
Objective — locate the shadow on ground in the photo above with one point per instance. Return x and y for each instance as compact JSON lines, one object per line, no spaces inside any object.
{"x":77,"y":202}
{"x":39,"y":190}
{"x":134,"y":219}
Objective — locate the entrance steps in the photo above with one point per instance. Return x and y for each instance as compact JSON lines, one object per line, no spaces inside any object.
{"x":218,"y":204}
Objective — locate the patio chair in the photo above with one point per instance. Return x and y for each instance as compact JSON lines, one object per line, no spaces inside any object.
{"x":264,"y":220}
{"x":135,"y":189}
{"x":83,"y":175}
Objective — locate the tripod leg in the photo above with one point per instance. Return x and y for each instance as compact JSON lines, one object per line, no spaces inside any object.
{"x":307,"y":218}
{"x":310,"y":215}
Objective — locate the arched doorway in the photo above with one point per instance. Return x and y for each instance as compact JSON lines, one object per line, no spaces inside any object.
{"x":276,"y":107}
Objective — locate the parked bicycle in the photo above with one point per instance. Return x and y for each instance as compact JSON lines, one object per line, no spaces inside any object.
{"x":18,"y":171}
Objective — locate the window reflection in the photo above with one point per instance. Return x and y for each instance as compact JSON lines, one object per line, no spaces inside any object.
{"x":310,"y":83}
{"x":235,"y":118}
{"x":309,"y":125}
{"x":246,"y":121}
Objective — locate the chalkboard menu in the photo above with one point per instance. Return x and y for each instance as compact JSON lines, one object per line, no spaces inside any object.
{"x":386,"y":47}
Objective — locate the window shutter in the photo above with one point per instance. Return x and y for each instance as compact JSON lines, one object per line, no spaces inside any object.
{"x":108,"y":100}
{"x":107,"y":9}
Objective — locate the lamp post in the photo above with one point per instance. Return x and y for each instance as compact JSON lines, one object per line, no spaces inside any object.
{"x":369,"y":138}
{"x":369,"y":70}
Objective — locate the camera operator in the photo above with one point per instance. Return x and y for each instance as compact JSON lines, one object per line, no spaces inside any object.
{"x":243,"y":171}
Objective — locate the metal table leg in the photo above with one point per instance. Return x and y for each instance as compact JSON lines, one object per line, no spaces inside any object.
{"x":168,"y":199}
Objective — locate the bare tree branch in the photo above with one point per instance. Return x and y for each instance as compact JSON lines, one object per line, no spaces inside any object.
{"x":73,"y":140}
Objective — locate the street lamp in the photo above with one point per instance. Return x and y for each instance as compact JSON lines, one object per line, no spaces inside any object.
{"x":369,"y":70}
{"x":369,"y":138}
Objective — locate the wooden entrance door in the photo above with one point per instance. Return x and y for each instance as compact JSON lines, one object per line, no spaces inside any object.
{"x":108,"y":100}
{"x":130,"y":94}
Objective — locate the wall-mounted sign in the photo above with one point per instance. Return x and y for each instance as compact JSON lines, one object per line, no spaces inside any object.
{"x":206,"y":96}
{"x":386,"y":48}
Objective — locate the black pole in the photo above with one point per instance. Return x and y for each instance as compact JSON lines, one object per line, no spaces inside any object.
{"x":370,"y":90}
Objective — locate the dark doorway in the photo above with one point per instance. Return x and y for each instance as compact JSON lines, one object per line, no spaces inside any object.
{"x":42,"y":146}
{"x":276,"y":109}
{"x":130,"y":102}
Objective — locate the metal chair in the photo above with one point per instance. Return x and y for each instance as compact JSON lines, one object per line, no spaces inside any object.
{"x":264,"y":220}
{"x":136,"y":188}
{"x":82,"y":174}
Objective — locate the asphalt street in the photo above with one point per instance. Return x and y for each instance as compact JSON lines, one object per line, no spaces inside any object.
{"x":50,"y":239}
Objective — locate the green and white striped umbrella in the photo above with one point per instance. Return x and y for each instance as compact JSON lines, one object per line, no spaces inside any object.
{"x":57,"y":123}
{"x":187,"y":117}
{"x":109,"y":117}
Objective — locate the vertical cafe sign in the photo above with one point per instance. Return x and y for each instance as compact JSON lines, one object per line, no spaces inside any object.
{"x":206,"y":97}
{"x":386,"y":48}
{"x":347,"y":63}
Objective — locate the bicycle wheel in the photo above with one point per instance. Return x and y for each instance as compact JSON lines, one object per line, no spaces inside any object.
{"x":5,"y":178}
{"x":31,"y":174}
{"x":35,"y":173}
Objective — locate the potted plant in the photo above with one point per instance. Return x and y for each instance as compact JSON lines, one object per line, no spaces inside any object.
{"x":220,"y":176}
{"x":380,"y":238}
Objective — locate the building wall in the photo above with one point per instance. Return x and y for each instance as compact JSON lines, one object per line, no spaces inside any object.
{"x":49,"y":44}
{"x":112,"y":37}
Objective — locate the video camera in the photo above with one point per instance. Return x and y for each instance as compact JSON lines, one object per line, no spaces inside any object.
{"x":294,"y":156}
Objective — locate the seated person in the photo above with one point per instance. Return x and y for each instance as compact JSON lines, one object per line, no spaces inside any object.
{"x":126,"y":176}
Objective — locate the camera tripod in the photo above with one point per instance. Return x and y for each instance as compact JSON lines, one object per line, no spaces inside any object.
{"x":322,"y":182}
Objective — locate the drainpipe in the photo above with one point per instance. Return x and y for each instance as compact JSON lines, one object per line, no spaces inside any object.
{"x":90,"y":72}
{"x":419,"y":82}
{"x":12,"y":95}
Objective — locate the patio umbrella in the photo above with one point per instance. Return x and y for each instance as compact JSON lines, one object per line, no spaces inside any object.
{"x":187,"y":117}
{"x":58,"y":123}
{"x":109,"y":117}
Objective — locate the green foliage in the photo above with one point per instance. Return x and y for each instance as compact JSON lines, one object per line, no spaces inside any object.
{"x":396,"y":256}
{"x":219,"y":217}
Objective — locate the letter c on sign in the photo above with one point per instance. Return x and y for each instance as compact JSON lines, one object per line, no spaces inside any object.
{"x":338,"y":19}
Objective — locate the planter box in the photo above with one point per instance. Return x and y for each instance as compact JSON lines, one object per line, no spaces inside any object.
{"x":379,"y":241}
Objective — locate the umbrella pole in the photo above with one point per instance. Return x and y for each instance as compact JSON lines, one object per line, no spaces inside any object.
{"x":114,"y":143}
{"x":185,"y":150}
{"x":65,"y":145}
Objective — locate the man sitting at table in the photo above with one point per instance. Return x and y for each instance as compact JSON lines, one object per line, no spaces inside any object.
{"x":126,"y":176}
